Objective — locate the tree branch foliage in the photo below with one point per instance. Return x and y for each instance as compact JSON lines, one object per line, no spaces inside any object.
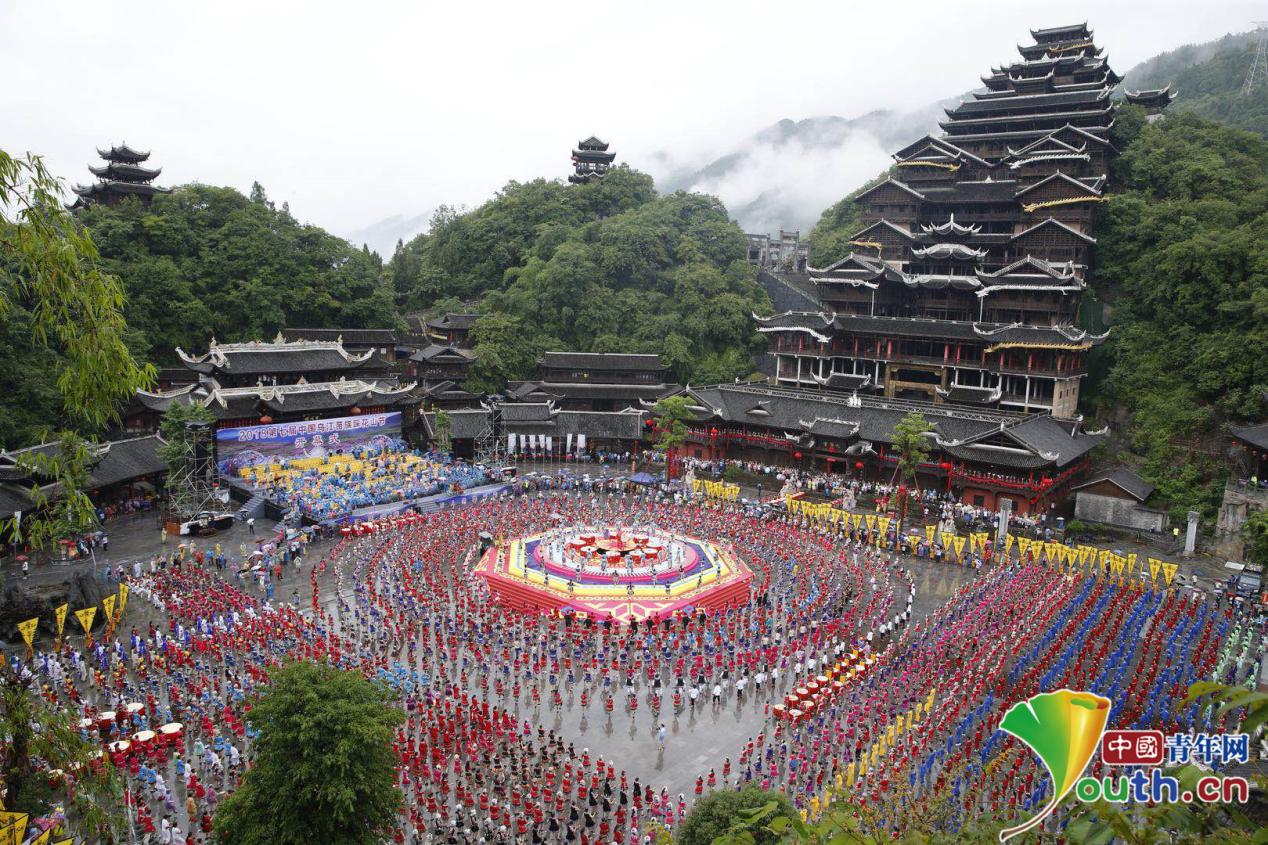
{"x":324,"y":767}
{"x":73,"y":310}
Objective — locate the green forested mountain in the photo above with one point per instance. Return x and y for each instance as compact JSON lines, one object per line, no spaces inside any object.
{"x":1182,"y":263}
{"x":1208,"y":80}
{"x":599,"y":267}
{"x":206,"y":261}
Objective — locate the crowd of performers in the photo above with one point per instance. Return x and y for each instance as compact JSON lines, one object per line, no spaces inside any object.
{"x":335,"y":485}
{"x":483,"y":756}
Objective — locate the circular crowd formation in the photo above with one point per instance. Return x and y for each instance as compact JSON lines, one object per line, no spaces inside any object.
{"x":531,"y":725}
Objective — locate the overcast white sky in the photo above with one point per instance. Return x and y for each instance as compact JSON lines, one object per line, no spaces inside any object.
{"x":355,"y":111}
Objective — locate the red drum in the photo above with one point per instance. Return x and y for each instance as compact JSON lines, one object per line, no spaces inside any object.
{"x":794,"y":714}
{"x":813,"y":688}
{"x":134,"y":708}
{"x":822,"y":680}
{"x":345,"y":531}
{"x":86,"y":724}
{"x":639,"y":539}
{"x":173,"y":733}
{"x":614,"y":557}
{"x":837,"y":688}
{"x":105,"y":719}
{"x":802,"y":693}
{"x":808,"y":706}
{"x":119,"y":752}
{"x":636,"y":558}
{"x":780,"y":711}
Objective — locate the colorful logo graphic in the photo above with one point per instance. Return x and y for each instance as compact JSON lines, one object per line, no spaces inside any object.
{"x":1064,"y":729}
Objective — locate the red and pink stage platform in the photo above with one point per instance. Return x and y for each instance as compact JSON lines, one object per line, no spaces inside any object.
{"x":615,"y":572}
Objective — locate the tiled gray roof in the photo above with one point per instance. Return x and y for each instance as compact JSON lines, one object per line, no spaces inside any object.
{"x":600,"y":361}
{"x":1125,"y":479}
{"x":1051,"y":441}
{"x":1255,"y":435}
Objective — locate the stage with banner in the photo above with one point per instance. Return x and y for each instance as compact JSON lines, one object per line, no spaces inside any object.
{"x":260,"y":444}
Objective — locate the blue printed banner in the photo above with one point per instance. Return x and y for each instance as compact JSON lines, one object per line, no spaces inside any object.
{"x":258,"y":444}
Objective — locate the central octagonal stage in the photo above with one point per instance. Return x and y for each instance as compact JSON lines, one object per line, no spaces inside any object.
{"x":614,"y":572}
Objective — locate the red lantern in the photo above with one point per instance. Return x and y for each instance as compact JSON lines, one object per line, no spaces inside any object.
{"x":266,"y":419}
{"x":946,"y":466}
{"x":797,"y":455}
{"x":858,"y":464}
{"x":356,"y":410}
{"x":714,"y":431}
{"x":649,"y":422}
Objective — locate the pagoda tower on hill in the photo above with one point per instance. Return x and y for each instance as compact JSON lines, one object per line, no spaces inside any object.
{"x":121,"y":176}
{"x":964,"y":286}
{"x":591,"y":159}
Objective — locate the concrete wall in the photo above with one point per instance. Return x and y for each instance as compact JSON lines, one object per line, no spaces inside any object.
{"x":1111,"y":510}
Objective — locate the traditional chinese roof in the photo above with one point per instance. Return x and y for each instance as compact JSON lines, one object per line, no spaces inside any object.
{"x":1091,"y":186}
{"x":460,"y":322}
{"x":890,"y":183}
{"x":933,"y":148}
{"x":125,"y":172}
{"x":610,"y":361}
{"x":443,"y":353}
{"x":123,"y":153}
{"x":1036,"y":440}
{"x":281,"y":356}
{"x":819,"y":326}
{"x":111,"y":462}
{"x":1157,"y":97}
{"x":1062,"y":99}
{"x":353,"y":337}
{"x":1255,"y":435}
{"x":854,"y":269}
{"x":970,"y":395}
{"x":949,"y":252}
{"x":1070,"y":32}
{"x":1124,"y":479}
{"x":231,"y":402}
{"x":950,"y":227}
{"x":1058,"y":224}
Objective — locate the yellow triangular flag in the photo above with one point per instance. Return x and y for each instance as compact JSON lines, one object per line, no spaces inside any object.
{"x":27,"y":629}
{"x":86,"y":616}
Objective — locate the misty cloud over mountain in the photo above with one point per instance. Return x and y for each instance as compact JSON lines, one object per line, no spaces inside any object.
{"x":787,"y":174}
{"x":381,"y":237}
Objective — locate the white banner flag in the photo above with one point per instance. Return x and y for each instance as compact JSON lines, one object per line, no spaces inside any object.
{"x":568,"y":448}
{"x":581,"y":442}
{"x":532,"y":442}
{"x":550,"y":444}
{"x":510,"y":444}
